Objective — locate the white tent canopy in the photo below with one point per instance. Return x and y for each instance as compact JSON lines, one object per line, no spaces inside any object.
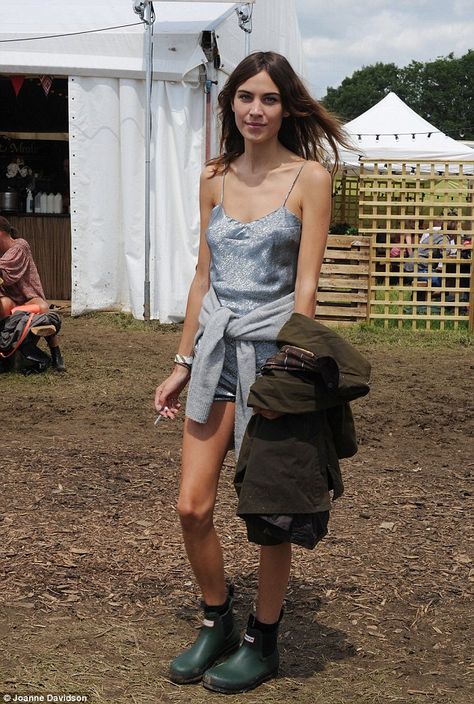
{"x":106,"y":72}
{"x":117,"y":52}
{"x":392,"y":130}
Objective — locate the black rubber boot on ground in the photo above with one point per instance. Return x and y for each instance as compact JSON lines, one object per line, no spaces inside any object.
{"x":218,"y":636}
{"x":57,"y":359}
{"x":256,"y":661}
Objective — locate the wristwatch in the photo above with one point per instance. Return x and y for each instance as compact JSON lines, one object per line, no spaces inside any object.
{"x":184,"y":360}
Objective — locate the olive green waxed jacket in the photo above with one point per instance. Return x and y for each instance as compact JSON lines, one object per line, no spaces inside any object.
{"x":343,"y":371}
{"x":290,"y":464}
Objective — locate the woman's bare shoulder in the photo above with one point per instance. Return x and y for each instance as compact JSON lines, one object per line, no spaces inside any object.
{"x":211,"y":172}
{"x":315,"y":178}
{"x":316,"y":173}
{"x":210,"y":185}
{"x":210,"y":178}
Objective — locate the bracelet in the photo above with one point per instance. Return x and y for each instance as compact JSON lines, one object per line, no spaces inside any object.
{"x":184,"y":361}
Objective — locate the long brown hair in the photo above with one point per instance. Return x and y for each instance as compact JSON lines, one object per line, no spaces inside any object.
{"x":5,"y":226}
{"x":304,"y":132}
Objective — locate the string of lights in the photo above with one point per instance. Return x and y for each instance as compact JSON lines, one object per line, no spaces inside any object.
{"x":396,"y":135}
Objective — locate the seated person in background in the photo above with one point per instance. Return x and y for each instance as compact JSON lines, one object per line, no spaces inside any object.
{"x":434,"y":274}
{"x":435,"y":237}
{"x":20,"y":282}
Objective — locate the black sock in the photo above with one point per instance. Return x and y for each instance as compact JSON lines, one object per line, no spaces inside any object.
{"x":269,"y":633}
{"x":265,"y":627}
{"x":219,"y":609}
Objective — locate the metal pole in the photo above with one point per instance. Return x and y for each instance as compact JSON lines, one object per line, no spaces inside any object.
{"x":149,"y":18}
{"x":247,"y":43}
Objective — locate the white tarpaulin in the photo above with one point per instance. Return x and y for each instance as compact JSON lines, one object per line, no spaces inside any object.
{"x":106,"y":131}
{"x":392,"y":130}
{"x":107,"y":213}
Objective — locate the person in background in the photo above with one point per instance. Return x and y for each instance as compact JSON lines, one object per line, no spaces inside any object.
{"x":20,"y":283}
{"x":432,"y":249}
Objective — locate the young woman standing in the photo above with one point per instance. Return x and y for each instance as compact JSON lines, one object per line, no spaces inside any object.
{"x":265,"y":206}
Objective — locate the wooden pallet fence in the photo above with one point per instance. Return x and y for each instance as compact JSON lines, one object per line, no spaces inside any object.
{"x":343,"y":283}
{"x":420,"y":221}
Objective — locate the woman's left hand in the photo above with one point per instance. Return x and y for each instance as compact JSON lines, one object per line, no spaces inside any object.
{"x":269,"y":415}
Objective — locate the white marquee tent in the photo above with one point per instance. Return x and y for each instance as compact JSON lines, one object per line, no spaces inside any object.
{"x":392,"y":130}
{"x":106,"y":130}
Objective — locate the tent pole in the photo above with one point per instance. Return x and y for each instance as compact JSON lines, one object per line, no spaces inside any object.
{"x":149,"y":18}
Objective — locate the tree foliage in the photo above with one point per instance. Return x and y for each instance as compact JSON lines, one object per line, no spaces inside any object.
{"x":441,"y":91}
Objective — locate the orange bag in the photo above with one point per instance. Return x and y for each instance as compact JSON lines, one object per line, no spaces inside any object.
{"x":27,"y":308}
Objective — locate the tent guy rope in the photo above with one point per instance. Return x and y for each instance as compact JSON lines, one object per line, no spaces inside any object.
{"x":68,"y":34}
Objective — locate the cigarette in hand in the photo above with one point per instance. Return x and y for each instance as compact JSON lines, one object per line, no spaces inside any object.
{"x":158,"y":418}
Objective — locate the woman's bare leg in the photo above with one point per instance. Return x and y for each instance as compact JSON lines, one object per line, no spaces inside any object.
{"x":257,"y":658}
{"x":204,"y":450}
{"x":273,"y":574}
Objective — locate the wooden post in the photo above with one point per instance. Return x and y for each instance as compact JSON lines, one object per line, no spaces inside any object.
{"x":343,"y":195}
{"x":471,"y":296}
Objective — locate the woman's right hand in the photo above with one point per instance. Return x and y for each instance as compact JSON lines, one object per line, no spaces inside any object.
{"x":167,"y":394}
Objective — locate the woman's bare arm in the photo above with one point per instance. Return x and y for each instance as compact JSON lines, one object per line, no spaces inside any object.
{"x":315,"y":189}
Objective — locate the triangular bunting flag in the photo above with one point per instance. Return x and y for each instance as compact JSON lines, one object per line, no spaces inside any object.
{"x":46,"y":83}
{"x":17,"y":82}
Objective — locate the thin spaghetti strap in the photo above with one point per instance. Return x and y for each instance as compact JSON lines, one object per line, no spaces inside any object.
{"x":294,"y":181}
{"x":222,"y":189}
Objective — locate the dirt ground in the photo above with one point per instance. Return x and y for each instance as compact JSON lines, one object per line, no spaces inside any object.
{"x":97,"y":595}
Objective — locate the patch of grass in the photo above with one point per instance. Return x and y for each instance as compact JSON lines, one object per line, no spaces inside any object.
{"x":402,"y":303}
{"x":359,"y":334}
{"x":126,"y":321}
{"x":365,"y":334}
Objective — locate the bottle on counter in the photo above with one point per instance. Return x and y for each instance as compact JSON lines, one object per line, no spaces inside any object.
{"x":38,"y":202}
{"x":58,"y":203}
{"x":50,"y":203}
{"x":29,"y":201}
{"x":44,"y":203}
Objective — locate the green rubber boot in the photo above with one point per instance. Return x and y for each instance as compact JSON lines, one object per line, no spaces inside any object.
{"x":256,"y":661}
{"x":218,"y":636}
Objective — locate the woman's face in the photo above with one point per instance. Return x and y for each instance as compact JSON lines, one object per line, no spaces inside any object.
{"x":258,"y":108}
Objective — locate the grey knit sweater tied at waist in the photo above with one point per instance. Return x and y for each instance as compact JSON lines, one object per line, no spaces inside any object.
{"x":215,"y":321}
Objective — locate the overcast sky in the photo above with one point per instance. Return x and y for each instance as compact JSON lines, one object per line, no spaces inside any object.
{"x":341,"y":36}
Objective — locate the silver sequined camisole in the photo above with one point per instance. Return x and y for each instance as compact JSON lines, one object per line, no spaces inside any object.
{"x":252,"y":264}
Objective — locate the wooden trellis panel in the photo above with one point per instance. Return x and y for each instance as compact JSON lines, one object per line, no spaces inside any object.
{"x":420,"y":221}
{"x":345,"y":200}
{"x":343,"y":284}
